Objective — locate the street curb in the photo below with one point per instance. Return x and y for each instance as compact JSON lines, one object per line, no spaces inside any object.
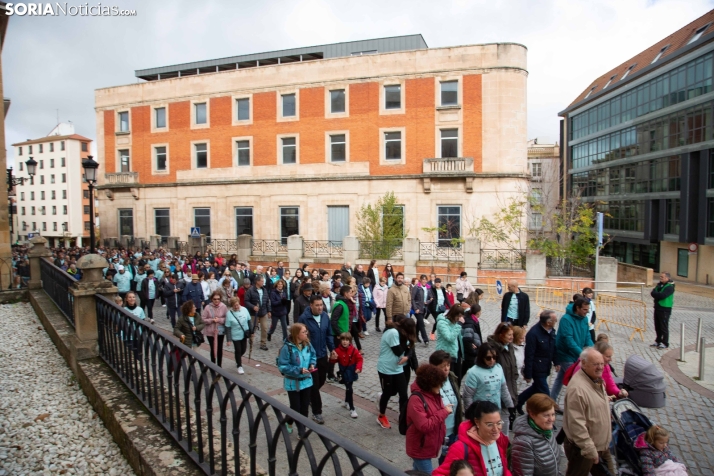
{"x":669,"y":364}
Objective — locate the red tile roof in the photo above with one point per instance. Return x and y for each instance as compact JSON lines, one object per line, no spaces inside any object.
{"x":54,"y":138}
{"x":676,"y":40}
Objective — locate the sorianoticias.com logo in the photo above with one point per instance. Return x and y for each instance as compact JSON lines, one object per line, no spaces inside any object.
{"x":64,"y":9}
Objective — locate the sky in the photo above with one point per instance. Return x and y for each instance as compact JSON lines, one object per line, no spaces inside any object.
{"x":52,"y":65}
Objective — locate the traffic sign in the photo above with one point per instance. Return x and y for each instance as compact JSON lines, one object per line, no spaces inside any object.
{"x":30,"y":236}
{"x":195,"y":232}
{"x":499,"y":287}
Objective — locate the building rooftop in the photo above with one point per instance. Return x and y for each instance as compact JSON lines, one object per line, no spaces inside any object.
{"x":53,"y":138}
{"x":693,"y":35}
{"x":310,"y":53}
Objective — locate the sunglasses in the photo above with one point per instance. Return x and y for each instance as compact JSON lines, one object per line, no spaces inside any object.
{"x":489,"y":357}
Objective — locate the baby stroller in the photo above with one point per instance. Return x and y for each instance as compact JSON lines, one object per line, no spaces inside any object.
{"x":628,"y":422}
{"x":644,"y":383}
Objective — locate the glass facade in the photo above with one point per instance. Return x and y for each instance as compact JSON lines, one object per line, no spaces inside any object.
{"x":634,"y":253}
{"x":685,"y":82}
{"x":648,"y":176}
{"x":626,"y":215}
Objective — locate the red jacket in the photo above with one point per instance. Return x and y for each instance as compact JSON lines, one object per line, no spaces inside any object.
{"x":456,"y":452}
{"x":349,"y":356}
{"x":241,"y":295}
{"x":450,"y":297}
{"x":425,"y":429}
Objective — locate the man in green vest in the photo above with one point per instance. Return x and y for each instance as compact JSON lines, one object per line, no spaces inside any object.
{"x":663,"y":295}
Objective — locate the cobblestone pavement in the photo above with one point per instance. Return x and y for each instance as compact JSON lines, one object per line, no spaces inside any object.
{"x":688,"y":416}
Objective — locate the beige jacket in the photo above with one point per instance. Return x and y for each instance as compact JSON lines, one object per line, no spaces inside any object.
{"x":586,"y":419}
{"x":399,"y":301}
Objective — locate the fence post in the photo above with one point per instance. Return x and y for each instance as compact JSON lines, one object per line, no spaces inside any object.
{"x":472,"y":256}
{"x":681,"y":344}
{"x":699,"y":335}
{"x":702,"y":356}
{"x":245,"y":247}
{"x":38,"y":251}
{"x":84,"y":344}
{"x":295,"y":243}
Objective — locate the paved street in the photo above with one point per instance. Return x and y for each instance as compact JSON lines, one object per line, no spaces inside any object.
{"x":687,"y":415}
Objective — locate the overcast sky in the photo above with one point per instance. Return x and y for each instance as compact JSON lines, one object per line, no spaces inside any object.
{"x":56,"y":63}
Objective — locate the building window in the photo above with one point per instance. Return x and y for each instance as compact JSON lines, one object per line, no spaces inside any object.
{"x":87,"y":225}
{"x":124,"y":162}
{"x":52,"y":178}
{"x":20,"y":164}
{"x":289,"y":223}
{"x":54,"y":226}
{"x":40,"y":147}
{"x":34,"y":225}
{"x":19,"y":151}
{"x":536,"y":169}
{"x":52,"y":149}
{"x":43,"y":209}
{"x":393,"y":145}
{"x":160,"y":117}
{"x":244,"y":221}
{"x":243,"y":153}
{"x":54,"y":194}
{"x":44,"y":226}
{"x":42,"y":164}
{"x":591,"y":91}
{"x":682,"y":262}
{"x":29,"y":149}
{"x":62,"y":147}
{"x":62,"y":161}
{"x":628,"y":71}
{"x":52,"y":163}
{"x":289,"y":103}
{"x":535,"y":221}
{"x":200,"y":112}
{"x":289,"y":147}
{"x":64,"y":178}
{"x":32,"y":195}
{"x":243,"y":109}
{"x":86,"y":209}
{"x":42,"y":179}
{"x":338,"y":148}
{"x":160,"y":158}
{"x":449,"y":93}
{"x":449,"y":224}
{"x":54,"y":209}
{"x":22,"y":196}
{"x":337,"y":101}
{"x":202,"y":220}
{"x":698,"y":34}
{"x":393,"y":96}
{"x":201,"y":151}
{"x":449,"y":143}
{"x":659,"y":55}
{"x":126,"y":222}
{"x":710,"y":217}
{"x":123,"y":122}
{"x":672,"y":224}
{"x":23,"y":210}
{"x":609,"y":81}
{"x":42,"y":195}
{"x":64,"y":194}
{"x":537,"y":195}
{"x":162,"y":221}
{"x":64,"y":209}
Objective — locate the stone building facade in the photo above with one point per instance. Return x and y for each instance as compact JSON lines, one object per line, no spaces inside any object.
{"x":297,"y":147}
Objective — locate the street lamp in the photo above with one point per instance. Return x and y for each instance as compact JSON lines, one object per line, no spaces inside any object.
{"x":11,"y":182}
{"x":90,"y":175}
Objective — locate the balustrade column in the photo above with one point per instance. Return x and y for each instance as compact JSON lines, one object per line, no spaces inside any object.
{"x":39,"y":250}
{"x":472,"y":257}
{"x":411,"y":256}
{"x":245,"y":248}
{"x":295,"y":244}
{"x":350,"y":249}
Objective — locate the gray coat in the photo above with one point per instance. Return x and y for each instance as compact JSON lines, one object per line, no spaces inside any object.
{"x":533,"y":454}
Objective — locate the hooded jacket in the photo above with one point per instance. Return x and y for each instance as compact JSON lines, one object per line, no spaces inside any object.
{"x":291,"y":361}
{"x":458,"y":450}
{"x":425,"y":427}
{"x":533,"y":454}
{"x":573,"y":336}
{"x":651,"y":457}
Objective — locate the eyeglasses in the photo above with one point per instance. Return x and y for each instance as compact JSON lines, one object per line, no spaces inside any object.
{"x":491,"y":426}
{"x":489,"y":357}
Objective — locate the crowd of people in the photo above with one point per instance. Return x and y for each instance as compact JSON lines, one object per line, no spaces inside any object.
{"x":479,"y":405}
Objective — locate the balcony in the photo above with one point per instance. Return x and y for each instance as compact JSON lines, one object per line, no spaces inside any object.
{"x":449,"y":166}
{"x":122,"y":178}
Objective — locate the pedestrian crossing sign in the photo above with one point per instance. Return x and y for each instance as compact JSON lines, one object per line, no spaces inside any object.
{"x":195,"y":232}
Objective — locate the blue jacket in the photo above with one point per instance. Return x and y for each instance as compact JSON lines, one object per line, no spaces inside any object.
{"x":291,"y":361}
{"x":540,"y":352}
{"x":573,"y":336}
{"x":278,"y":303}
{"x":194,"y":292}
{"x":320,"y":336}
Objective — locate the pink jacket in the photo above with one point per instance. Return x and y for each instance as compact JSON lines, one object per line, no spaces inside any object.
{"x":209,"y":313}
{"x":380,"y":296}
{"x":610,"y":386}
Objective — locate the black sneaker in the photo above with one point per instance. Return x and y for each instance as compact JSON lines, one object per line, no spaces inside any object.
{"x":377,"y":329}
{"x":269,"y":336}
{"x":656,"y":344}
{"x":263,"y":347}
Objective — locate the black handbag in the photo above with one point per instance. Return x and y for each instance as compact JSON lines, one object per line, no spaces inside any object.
{"x":198,"y":338}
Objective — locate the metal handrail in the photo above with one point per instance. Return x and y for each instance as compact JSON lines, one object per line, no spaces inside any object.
{"x":322,"y":249}
{"x":56,"y":283}
{"x":503,"y":259}
{"x":182,"y":390}
{"x":223,"y":246}
{"x":268,"y":248}
{"x":432,"y":251}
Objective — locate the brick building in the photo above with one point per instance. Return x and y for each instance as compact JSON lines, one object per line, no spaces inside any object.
{"x":296,"y":141}
{"x":638,"y":141}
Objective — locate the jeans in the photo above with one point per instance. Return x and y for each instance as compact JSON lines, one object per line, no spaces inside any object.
{"x":318,"y":380}
{"x":348,"y":395}
{"x":540,"y":385}
{"x":171,"y":315}
{"x":450,"y":440}
{"x":367,"y":313}
{"x":377,"y":313}
{"x":283,"y":324}
{"x":558,"y":384}
{"x":420,"y":326}
{"x":149,"y":306}
{"x":424,"y":465}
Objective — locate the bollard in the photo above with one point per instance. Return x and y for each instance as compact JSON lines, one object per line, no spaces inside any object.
{"x":702,"y":359}
{"x":699,"y":334}
{"x":681,"y":344}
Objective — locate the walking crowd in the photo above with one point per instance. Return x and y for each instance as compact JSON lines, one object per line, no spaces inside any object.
{"x":480,"y":405}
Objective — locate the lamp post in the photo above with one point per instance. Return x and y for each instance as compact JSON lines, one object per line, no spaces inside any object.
{"x":11,"y":182}
{"x":90,"y":175}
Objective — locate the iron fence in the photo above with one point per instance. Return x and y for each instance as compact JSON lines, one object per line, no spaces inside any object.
{"x":224,"y":424}
{"x":503,"y":259}
{"x":432,"y":251}
{"x":565,"y":267}
{"x":322,"y":249}
{"x":384,"y":250}
{"x":56,"y":284}
{"x":224,"y":246}
{"x":268,"y":248}
{"x":182,"y":247}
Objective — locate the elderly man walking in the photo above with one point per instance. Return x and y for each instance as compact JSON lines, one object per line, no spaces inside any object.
{"x":515,"y":306}
{"x":586,"y":420}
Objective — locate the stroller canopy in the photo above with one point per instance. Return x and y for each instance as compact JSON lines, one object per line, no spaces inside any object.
{"x":642,"y":375}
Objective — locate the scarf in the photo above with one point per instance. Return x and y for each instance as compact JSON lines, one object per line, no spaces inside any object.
{"x":547,"y":433}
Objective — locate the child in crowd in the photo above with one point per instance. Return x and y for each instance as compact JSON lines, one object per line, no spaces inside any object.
{"x":380,"y":300}
{"x":592,"y":317}
{"x":349,"y":361}
{"x":461,"y":467}
{"x":449,"y":295}
{"x":656,"y":456}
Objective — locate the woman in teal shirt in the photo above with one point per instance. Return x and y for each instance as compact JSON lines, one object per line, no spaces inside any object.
{"x":238,"y":321}
{"x":448,"y":336}
{"x":485,"y":381}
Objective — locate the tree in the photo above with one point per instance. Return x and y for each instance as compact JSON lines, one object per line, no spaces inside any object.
{"x":380,"y":227}
{"x":506,"y":229}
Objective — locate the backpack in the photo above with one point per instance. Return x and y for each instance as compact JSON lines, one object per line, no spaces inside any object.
{"x":403,"y":416}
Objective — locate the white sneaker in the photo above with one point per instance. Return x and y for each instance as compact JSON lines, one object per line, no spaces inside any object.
{"x":345,"y":405}
{"x":366,"y":333}
{"x":241,"y":371}
{"x":426,"y":321}
{"x":163,"y":305}
{"x":353,"y":413}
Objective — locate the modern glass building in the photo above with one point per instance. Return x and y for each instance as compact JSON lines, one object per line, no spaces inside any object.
{"x":638,"y":142}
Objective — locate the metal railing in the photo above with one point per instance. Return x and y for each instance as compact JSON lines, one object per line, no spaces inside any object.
{"x":383,"y":250}
{"x":564,"y":267}
{"x":322,"y":249}
{"x":224,"y":246}
{"x":215,"y":416}
{"x":268,"y":248}
{"x":455,"y":165}
{"x":182,"y":247}
{"x":122,"y":177}
{"x":432,"y":251}
{"x":56,"y":284}
{"x":503,"y":259}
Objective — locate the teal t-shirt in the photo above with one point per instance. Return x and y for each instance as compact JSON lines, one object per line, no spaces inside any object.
{"x":449,"y":398}
{"x":513,"y":307}
{"x":388,"y":363}
{"x":492,"y":459}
